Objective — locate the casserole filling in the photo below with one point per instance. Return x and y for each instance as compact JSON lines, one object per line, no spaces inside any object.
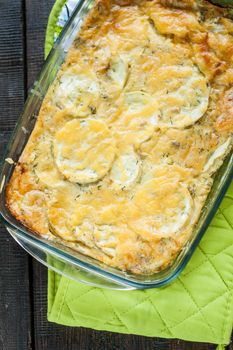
{"x":131,"y":133}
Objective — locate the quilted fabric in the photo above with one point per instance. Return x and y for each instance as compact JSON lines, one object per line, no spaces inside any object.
{"x":198,"y":306}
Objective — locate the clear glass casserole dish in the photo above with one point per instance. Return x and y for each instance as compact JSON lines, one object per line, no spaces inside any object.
{"x":56,"y":256}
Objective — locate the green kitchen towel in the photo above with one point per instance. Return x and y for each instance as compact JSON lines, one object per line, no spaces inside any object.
{"x":198,"y":306}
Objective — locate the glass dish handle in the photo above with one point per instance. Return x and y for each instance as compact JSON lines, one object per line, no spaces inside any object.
{"x":66,"y":269}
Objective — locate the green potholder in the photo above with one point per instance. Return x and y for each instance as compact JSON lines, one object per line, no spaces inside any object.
{"x":198,"y":306}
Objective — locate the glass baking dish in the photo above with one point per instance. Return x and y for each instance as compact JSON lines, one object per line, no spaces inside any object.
{"x":58,"y":257}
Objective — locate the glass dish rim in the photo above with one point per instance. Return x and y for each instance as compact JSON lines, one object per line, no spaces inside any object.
{"x":69,"y":258}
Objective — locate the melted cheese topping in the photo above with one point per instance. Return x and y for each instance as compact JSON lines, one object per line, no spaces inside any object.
{"x":217,"y":155}
{"x":118,"y":71}
{"x":84,"y":150}
{"x":166,"y":207}
{"x":183,"y":95}
{"x":131,"y":133}
{"x":44,"y":168}
{"x":137,"y":122}
{"x":75,"y":91}
{"x":126,"y":169}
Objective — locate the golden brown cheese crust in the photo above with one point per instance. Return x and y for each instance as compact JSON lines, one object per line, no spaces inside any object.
{"x":131,"y":132}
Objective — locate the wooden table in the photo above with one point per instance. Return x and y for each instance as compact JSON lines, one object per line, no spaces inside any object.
{"x":23,"y":281}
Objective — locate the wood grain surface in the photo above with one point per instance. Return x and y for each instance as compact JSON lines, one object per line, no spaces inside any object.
{"x":23,"y":281}
{"x":15,"y":309}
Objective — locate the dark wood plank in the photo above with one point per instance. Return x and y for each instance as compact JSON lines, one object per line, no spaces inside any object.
{"x":50,"y":336}
{"x":15,"y":325}
{"x":36,"y":20}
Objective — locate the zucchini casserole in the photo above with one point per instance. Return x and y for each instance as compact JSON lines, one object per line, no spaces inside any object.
{"x":130,"y":133}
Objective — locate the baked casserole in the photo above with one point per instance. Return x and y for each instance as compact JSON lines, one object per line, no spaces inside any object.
{"x":131,"y":133}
